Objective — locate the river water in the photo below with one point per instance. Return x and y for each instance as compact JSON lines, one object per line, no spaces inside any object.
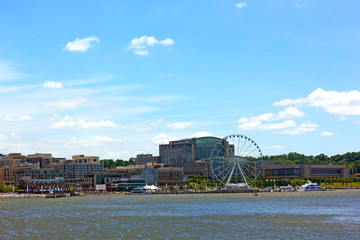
{"x":295,"y":215}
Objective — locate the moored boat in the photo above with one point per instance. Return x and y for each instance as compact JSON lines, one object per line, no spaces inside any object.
{"x":140,"y":190}
{"x":309,"y":186}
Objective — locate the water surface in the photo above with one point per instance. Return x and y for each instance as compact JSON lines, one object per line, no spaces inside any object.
{"x":299,"y":215}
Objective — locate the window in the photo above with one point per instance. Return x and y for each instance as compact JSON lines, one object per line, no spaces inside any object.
{"x":283,"y":172}
{"x":326,"y":172}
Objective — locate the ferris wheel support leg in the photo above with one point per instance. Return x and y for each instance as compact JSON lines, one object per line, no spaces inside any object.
{"x":232,"y":171}
{"x":242,"y":174}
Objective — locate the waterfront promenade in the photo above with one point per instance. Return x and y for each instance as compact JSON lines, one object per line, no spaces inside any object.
{"x":221,"y":191}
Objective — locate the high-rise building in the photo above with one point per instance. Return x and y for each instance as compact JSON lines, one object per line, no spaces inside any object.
{"x":177,"y":153}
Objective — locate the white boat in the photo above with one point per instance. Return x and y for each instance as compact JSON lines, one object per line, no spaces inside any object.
{"x":287,"y":188}
{"x":309,"y":186}
{"x":140,"y":190}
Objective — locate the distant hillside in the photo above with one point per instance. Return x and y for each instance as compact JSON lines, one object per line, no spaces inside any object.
{"x":351,"y":160}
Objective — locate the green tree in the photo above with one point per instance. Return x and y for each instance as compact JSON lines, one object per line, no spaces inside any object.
{"x":72,"y":188}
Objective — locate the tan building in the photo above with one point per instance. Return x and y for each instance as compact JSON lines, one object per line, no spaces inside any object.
{"x":270,"y":170}
{"x":8,"y":175}
{"x":145,"y":158}
{"x":85,"y":159}
{"x":170,"y":176}
{"x":43,"y":159}
{"x":198,"y":168}
{"x":128,"y":171}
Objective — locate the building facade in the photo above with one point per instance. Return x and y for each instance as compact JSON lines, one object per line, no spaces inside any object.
{"x":181,"y":152}
{"x":270,"y":170}
{"x":145,"y":158}
{"x":198,"y":168}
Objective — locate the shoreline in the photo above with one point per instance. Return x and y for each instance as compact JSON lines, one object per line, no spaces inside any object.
{"x":25,"y":195}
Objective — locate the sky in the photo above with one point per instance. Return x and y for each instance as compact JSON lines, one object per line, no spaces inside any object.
{"x":117,"y":78}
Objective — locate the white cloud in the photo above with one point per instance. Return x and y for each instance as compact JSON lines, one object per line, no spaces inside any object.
{"x":201,"y":134}
{"x":81,"y":45}
{"x":18,"y":119}
{"x":287,"y":113}
{"x":140,"y":44}
{"x":241,"y":5}
{"x":163,"y":138}
{"x":66,"y":103}
{"x":69,"y":122}
{"x":287,"y":126}
{"x":179,"y":125}
{"x":267,"y":126}
{"x":51,"y":84}
{"x":326,"y":134}
{"x":301,"y":129}
{"x":339,"y":103}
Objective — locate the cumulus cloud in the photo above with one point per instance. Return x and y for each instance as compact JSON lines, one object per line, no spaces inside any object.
{"x":179,"y":125}
{"x":66,"y":103}
{"x":287,"y":113}
{"x":334,"y":102}
{"x":70,"y":122}
{"x":51,"y":84}
{"x":326,"y":134}
{"x":163,"y":138}
{"x":139,"y":45}
{"x":287,"y":126}
{"x":241,"y":5}
{"x":17,"y":119}
{"x":301,"y":129}
{"x":81,"y":45}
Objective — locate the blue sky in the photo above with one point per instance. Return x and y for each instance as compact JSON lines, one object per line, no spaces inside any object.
{"x":117,"y":78}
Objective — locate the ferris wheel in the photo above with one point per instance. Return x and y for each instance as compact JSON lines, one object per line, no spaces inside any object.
{"x":236,"y":160}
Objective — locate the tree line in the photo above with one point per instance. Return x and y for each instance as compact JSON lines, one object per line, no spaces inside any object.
{"x":351,"y":160}
{"x":110,"y":163}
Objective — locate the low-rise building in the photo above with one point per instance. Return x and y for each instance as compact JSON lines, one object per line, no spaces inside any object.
{"x":85,"y":159}
{"x":170,"y":176}
{"x":198,"y":168}
{"x":145,"y":158}
{"x":271,"y":170}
